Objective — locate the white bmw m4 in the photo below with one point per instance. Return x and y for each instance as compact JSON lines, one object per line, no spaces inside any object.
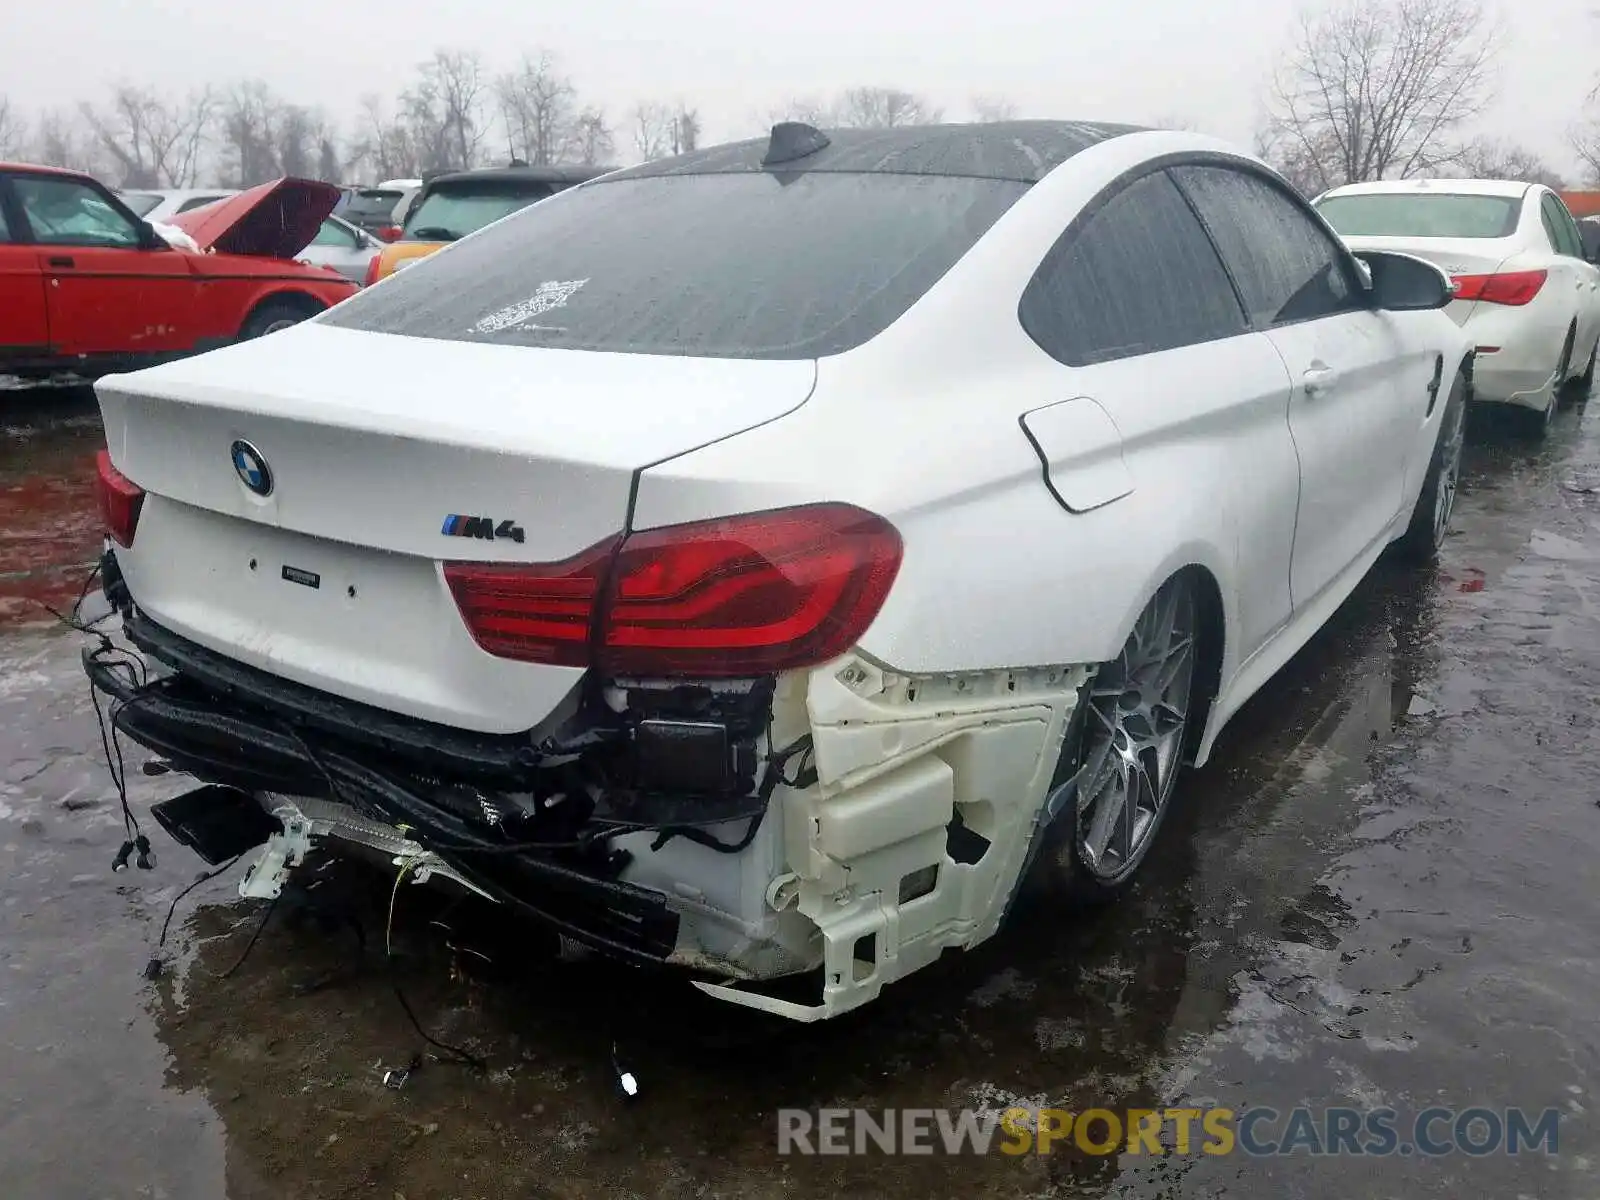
{"x":773,"y":562}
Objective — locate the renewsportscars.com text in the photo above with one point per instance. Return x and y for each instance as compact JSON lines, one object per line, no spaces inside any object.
{"x":1255,"y":1132}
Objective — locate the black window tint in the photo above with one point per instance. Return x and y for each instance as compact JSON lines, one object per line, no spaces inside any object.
{"x":1137,"y":277}
{"x":1286,"y":265}
{"x":1549,"y":224}
{"x":1563,"y":233}
{"x":194,"y":202}
{"x":747,"y":265}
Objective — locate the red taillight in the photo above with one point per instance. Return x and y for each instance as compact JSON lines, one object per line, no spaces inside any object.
{"x":1510,"y":287}
{"x":120,"y":500}
{"x":746,"y":595}
{"x":373,"y":266}
{"x":540,"y":612}
{"x":390,"y":233}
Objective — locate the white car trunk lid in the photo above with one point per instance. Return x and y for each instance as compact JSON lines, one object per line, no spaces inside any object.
{"x":387,"y":455}
{"x":1456,"y":256}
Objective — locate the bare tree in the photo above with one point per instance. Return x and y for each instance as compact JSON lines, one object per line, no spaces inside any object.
{"x":13,"y":128}
{"x":884,"y":108}
{"x":1488,"y":158}
{"x":539,"y":106}
{"x":993,"y":108}
{"x":685,"y":129}
{"x":155,"y":142}
{"x":60,"y":140}
{"x":1585,"y":140}
{"x":329,"y":169}
{"x":1375,"y":89}
{"x":652,"y":126}
{"x":296,"y":137}
{"x":808,"y":109}
{"x":384,"y":145}
{"x":250,"y":130}
{"x":460,"y":88}
{"x":593,"y":142}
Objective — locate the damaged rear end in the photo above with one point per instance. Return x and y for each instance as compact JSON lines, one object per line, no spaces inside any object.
{"x":423,"y":626}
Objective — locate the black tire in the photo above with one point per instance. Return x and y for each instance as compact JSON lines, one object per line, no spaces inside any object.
{"x":1586,"y":380}
{"x":271,"y":317}
{"x":1430,"y":519}
{"x":1063,"y":867}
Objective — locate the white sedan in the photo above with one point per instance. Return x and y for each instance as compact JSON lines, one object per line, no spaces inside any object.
{"x":775,"y":561}
{"x":1527,"y":291}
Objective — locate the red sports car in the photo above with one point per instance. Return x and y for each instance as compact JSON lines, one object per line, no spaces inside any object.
{"x":87,"y":287}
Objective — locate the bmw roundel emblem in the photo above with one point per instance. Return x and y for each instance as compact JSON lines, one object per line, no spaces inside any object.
{"x":252,"y":469}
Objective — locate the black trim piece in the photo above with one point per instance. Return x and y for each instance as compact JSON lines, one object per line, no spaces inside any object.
{"x":505,"y":758}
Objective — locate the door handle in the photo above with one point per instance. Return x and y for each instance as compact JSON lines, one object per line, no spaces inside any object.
{"x":60,"y":260}
{"x":1318,"y":381}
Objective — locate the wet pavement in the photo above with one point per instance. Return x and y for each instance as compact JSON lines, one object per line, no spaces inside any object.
{"x":1381,"y":891}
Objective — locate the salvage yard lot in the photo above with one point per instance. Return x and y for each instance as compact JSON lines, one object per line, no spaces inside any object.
{"x":1378,"y":892}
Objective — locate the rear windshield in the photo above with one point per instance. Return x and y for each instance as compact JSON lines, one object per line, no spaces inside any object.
{"x":139,"y":203}
{"x":447,"y":213}
{"x":373,"y":203}
{"x":747,"y":265}
{"x":1412,"y":214}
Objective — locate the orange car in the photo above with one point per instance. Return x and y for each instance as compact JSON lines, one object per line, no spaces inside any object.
{"x":451,"y":206}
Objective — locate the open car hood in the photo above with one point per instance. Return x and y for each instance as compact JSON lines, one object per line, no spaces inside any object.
{"x":272,"y":220}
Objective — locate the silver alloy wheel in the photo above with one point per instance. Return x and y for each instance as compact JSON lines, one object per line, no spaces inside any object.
{"x":1444,"y":500}
{"x":281,"y":323}
{"x":1134,"y":733}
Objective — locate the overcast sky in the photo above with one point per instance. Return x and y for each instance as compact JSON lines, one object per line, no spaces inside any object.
{"x":736,"y":59}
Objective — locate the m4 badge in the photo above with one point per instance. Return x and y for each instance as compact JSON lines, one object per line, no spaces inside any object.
{"x":456,"y":525}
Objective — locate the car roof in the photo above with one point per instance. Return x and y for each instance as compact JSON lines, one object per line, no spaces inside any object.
{"x":1509,"y":188}
{"x":1025,"y":151}
{"x":549,"y":174}
{"x":40,"y":169}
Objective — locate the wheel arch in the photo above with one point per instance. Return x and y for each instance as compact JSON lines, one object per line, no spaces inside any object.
{"x":303,"y":302}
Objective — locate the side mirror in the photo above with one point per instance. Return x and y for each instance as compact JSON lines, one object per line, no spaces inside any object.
{"x":149,"y":239}
{"x":1405,"y":283}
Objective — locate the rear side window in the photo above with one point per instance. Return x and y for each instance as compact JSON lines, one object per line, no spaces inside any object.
{"x":331,"y":233}
{"x":194,"y":202}
{"x":139,"y":203}
{"x":1287,"y":267}
{"x":449,"y":213}
{"x":739,"y":265}
{"x":1422,"y":215}
{"x":373,"y":203}
{"x":1139,"y":276}
{"x":1559,"y":224}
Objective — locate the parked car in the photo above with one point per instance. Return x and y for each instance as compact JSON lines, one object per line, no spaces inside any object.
{"x":87,"y":287}
{"x":342,"y":247}
{"x":1526,"y":289}
{"x":373,"y":208}
{"x":776,"y":560}
{"x":451,"y":206}
{"x":1589,"y":232}
{"x":162,"y":204}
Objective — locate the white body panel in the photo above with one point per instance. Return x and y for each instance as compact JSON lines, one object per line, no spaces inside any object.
{"x":373,"y":441}
{"x":1518,"y":347}
{"x":1040,"y":506}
